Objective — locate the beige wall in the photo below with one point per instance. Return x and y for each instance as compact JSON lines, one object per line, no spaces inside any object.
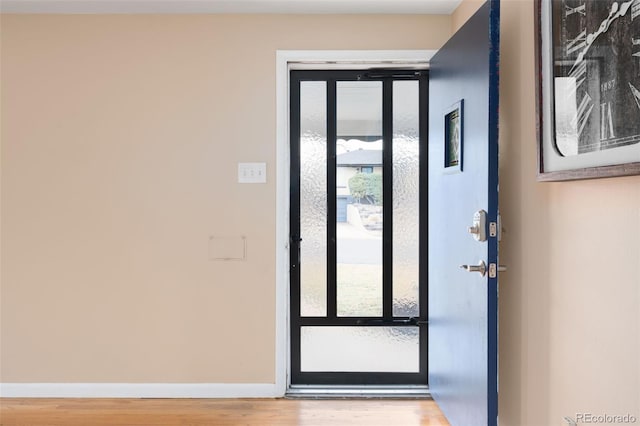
{"x":570,"y":302}
{"x":120,"y":141}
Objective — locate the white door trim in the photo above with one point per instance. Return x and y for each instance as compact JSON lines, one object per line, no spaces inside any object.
{"x":310,"y":59}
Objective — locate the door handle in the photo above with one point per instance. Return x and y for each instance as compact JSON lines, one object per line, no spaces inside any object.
{"x":482,"y":268}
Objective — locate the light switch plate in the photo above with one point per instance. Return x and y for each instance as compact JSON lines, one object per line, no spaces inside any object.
{"x":252,"y":172}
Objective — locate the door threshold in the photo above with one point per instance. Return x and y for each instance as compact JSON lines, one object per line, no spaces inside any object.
{"x":357,"y":392}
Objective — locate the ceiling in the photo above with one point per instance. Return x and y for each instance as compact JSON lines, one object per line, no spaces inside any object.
{"x":231,"y":6}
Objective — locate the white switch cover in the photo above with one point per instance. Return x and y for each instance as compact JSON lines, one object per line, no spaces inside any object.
{"x":252,"y":172}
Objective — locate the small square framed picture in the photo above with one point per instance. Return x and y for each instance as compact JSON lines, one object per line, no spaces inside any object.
{"x":453,"y":140}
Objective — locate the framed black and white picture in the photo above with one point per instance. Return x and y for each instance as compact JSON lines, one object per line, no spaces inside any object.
{"x":588,"y":72}
{"x":453,"y":138}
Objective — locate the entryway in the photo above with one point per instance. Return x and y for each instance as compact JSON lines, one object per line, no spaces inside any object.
{"x":358,"y":303}
{"x":462,"y":239}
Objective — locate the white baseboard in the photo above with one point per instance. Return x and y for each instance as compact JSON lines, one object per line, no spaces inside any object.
{"x":139,"y":390}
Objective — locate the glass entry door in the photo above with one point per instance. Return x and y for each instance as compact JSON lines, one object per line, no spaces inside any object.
{"x":358,"y":281}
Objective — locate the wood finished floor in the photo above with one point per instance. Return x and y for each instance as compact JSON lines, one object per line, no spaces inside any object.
{"x":218,"y":412}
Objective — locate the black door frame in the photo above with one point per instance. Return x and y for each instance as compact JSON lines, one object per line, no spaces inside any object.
{"x":387,"y":77}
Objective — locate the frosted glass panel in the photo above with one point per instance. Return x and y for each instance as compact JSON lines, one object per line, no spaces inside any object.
{"x":406,"y":152}
{"x":359,"y":109}
{"x":313,"y":198}
{"x":364,"y":349}
{"x":359,"y":198}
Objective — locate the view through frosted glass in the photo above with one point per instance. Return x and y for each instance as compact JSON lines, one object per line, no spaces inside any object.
{"x":313,"y":198}
{"x":365,"y":349}
{"x":406,"y":153}
{"x":359,"y":198}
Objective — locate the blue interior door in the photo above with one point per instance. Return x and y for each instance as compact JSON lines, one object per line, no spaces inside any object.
{"x":463,"y":304}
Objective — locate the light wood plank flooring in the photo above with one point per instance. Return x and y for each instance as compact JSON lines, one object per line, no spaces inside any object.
{"x":218,"y":412}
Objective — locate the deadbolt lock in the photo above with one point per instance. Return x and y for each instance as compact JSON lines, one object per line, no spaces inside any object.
{"x":479,"y":227}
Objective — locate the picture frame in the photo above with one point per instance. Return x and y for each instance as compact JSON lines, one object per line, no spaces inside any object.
{"x":453,"y":137}
{"x":587,"y":88}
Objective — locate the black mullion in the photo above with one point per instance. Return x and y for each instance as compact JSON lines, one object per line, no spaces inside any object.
{"x":294,"y":224}
{"x":357,"y":322}
{"x":331,"y":200}
{"x":423,"y":255}
{"x":387,"y":198}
